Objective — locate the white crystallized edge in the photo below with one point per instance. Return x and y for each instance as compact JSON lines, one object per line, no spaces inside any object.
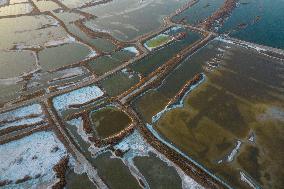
{"x":77,"y":97}
{"x":21,"y":115}
{"x":31,"y":156}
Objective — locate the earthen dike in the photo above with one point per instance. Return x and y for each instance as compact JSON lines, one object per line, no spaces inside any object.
{"x":122,"y":101}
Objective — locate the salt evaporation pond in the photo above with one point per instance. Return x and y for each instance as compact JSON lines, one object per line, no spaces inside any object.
{"x":25,"y":31}
{"x":77,"y":97}
{"x":198,"y":12}
{"x":257,"y":21}
{"x":161,"y":55}
{"x":27,"y":115}
{"x":33,"y":156}
{"x":215,"y":123}
{"x":125,"y":24}
{"x":55,"y":57}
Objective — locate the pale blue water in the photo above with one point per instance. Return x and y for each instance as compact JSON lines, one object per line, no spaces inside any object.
{"x":200,"y":11}
{"x":269,"y":30}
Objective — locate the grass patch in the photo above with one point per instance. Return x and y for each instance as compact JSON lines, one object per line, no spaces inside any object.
{"x":158,"y":41}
